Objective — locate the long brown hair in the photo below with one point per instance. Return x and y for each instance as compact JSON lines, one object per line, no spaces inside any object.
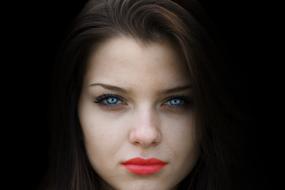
{"x":148,"y":21}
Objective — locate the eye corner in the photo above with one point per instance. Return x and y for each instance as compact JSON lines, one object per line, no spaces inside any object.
{"x":102,"y":101}
{"x":186,"y":101}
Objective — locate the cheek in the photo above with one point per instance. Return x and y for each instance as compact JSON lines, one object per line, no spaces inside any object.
{"x":182,"y":141}
{"x":181,"y":130}
{"x":98,"y":130}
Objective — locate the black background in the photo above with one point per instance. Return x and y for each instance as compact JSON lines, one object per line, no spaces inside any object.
{"x":33,"y":31}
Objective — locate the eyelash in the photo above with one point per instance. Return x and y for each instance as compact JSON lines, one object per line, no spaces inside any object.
{"x":101,"y":100}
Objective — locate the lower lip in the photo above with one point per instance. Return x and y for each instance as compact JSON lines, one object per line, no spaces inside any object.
{"x":144,"y":169}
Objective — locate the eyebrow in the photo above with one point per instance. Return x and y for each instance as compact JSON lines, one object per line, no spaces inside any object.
{"x":122,"y":90}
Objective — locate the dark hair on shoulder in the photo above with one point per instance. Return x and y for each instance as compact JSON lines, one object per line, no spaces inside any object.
{"x":182,"y":23}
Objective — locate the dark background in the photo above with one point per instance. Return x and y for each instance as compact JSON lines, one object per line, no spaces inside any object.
{"x":33,"y":31}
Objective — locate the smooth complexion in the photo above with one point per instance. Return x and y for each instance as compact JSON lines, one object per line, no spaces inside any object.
{"x":136,"y":101}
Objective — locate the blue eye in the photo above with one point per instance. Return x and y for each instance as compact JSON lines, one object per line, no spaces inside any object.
{"x":109,"y":100}
{"x":178,"y":101}
{"x":112,"y":101}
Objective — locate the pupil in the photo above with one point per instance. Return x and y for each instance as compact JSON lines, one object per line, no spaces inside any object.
{"x":112,"y":100}
{"x":176,"y":101}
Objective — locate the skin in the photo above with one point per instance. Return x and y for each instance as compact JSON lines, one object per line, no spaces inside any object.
{"x":144,"y":121}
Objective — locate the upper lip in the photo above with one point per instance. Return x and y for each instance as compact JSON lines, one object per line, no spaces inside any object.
{"x":142,"y":161}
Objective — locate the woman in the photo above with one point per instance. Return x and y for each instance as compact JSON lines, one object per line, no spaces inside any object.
{"x":137,"y":103}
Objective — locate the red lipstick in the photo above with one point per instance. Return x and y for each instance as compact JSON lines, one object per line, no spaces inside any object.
{"x":142,"y":166}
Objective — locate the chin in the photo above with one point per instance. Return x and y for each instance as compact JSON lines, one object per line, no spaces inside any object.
{"x":144,"y":185}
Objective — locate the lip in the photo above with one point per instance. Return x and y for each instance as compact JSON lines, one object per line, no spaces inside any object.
{"x":141,"y":166}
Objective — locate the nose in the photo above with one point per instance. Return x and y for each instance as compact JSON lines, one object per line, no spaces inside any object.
{"x":145,"y":131}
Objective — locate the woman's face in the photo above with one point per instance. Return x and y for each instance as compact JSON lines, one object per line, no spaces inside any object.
{"x":136,"y":102}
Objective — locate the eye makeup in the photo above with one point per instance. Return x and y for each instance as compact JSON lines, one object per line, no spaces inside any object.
{"x":179,"y":101}
{"x":112,"y":101}
{"x":109,"y":99}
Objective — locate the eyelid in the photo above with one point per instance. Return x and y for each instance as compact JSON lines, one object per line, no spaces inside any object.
{"x":176,"y":96}
{"x":104,"y":96}
{"x":185,"y":98}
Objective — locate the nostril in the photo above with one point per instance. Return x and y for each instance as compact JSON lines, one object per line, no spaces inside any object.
{"x":146,"y":129}
{"x":145,"y":137}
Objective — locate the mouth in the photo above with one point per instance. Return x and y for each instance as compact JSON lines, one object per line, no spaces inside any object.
{"x":140,"y":166}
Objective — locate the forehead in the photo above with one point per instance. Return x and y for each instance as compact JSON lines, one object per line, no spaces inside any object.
{"x":130,"y":61}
